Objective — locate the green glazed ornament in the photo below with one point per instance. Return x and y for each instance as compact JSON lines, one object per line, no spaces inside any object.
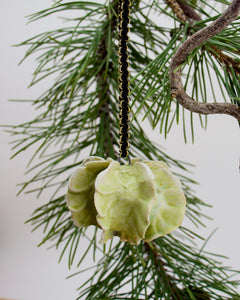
{"x":141,"y":201}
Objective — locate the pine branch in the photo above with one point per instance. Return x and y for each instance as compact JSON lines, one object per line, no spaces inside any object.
{"x":226,"y":60}
{"x":188,"y":11}
{"x":80,"y":112}
{"x":165,"y":269}
{"x":178,"y":9}
{"x":181,"y":55}
{"x":103,"y":87}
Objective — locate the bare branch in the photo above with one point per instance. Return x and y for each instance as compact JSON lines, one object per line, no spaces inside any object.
{"x":182,"y":53}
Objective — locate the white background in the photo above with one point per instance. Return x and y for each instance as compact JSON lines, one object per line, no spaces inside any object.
{"x":31,"y":273}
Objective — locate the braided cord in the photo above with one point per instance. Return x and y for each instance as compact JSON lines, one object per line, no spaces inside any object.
{"x":124,"y":19}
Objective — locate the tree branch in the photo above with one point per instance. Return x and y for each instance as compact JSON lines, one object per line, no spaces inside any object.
{"x":166,"y":280}
{"x":197,"y":39}
{"x":177,"y":9}
{"x":226,"y":60}
{"x":104,"y":87}
{"x":188,"y":11}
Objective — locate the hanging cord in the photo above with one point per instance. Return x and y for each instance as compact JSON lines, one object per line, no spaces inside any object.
{"x":124,"y":19}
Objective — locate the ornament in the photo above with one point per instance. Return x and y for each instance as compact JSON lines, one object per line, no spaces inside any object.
{"x":141,"y":201}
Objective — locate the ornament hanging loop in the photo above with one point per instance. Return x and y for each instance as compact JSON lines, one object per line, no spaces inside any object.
{"x":124,"y":110}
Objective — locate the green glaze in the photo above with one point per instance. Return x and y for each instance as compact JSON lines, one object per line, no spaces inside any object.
{"x":168,"y":212}
{"x":80,"y":195}
{"x":124,"y":196}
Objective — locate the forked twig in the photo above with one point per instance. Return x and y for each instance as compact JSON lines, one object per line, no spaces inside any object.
{"x":197,"y":39}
